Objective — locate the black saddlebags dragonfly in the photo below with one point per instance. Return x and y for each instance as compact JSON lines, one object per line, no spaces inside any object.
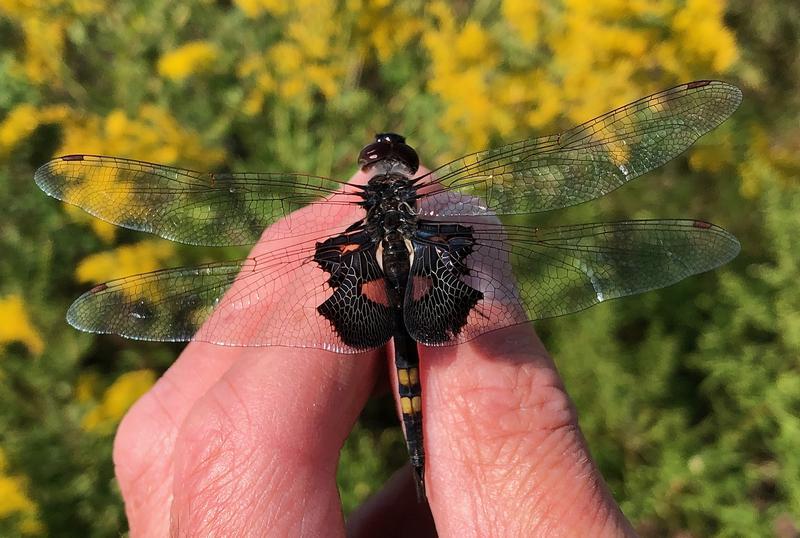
{"x":421,"y":259}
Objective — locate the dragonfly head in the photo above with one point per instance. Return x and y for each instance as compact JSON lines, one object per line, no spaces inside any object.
{"x":390,"y":151}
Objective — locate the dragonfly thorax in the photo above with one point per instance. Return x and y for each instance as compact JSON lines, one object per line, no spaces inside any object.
{"x":391,"y":220}
{"x":390,"y":203}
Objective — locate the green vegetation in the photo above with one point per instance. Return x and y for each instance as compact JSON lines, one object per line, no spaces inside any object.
{"x":689,"y":396}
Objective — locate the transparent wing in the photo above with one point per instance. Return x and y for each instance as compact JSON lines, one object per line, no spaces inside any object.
{"x":490,"y":273}
{"x":585,"y":162}
{"x":321,"y":294}
{"x":191,"y":207}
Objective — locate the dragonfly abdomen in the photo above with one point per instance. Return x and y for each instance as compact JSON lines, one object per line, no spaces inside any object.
{"x":406,"y":361}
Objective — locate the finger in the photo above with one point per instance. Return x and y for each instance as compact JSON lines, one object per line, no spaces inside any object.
{"x":393,"y":511}
{"x":502,"y":435}
{"x":257,"y":455}
{"x":146,"y":437}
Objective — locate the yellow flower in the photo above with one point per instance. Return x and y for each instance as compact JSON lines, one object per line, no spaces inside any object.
{"x":86,"y":387}
{"x":385,"y":26}
{"x":628,"y":43}
{"x":104,"y":230}
{"x":523,"y":17}
{"x":600,"y":54}
{"x":191,"y":58}
{"x":87,"y":7}
{"x":702,"y":34}
{"x":254,"y":8}
{"x":472,"y":44}
{"x":16,"y":326}
{"x":713,"y":154}
{"x":154,"y":135}
{"x":43,"y":25}
{"x":311,"y":57}
{"x":24,"y":119}
{"x":325,"y":79}
{"x":253,"y":103}
{"x":14,"y":500}
{"x":546,"y":100}
{"x":126,"y":260}
{"x":54,"y":113}
{"x":18,"y":125}
{"x":466,"y":74}
{"x":117,"y":399}
{"x":310,"y":35}
{"x":44,"y":48}
{"x":768,"y":160}
{"x":750,"y":173}
{"x":286,"y":57}
{"x":250,"y":65}
{"x":254,"y":67}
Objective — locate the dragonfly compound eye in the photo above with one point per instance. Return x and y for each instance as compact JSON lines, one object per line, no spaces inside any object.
{"x":389,"y":147}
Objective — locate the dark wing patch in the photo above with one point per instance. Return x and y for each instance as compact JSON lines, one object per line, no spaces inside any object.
{"x":269,"y":299}
{"x":534,"y":273}
{"x":438,"y":301}
{"x":358,"y":309}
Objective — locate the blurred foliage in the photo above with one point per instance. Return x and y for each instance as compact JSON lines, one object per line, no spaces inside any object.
{"x":689,"y":397}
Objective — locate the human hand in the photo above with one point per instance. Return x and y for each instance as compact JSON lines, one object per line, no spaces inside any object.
{"x":245,"y":442}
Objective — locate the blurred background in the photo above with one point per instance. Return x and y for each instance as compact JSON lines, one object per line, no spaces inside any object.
{"x":689,"y":396}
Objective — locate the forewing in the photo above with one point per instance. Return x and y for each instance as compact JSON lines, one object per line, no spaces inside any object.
{"x":566,"y":269}
{"x":198,"y":208}
{"x":585,"y":162}
{"x":271,"y":299}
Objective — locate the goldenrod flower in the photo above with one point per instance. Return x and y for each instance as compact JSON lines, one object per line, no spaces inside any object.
{"x":385,"y":26}
{"x":523,"y":17}
{"x":86,"y":387}
{"x":311,"y":57}
{"x":465,"y":74}
{"x":117,"y":399}
{"x":18,"y":125}
{"x":44,"y":49}
{"x":191,"y":58}
{"x":24,"y":119}
{"x":153,"y":135}
{"x":16,"y":326}
{"x":703,"y":36}
{"x":14,"y":500}
{"x":126,"y":260}
{"x":254,"y":8}
{"x":767,"y":160}
{"x":104,"y":230}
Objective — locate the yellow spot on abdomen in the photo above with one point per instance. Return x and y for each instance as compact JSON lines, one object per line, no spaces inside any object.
{"x":416,"y":404}
{"x":413,"y":376}
{"x":405,"y":405}
{"x":402,"y":377}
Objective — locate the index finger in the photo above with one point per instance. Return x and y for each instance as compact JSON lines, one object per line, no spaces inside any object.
{"x":205,"y":382}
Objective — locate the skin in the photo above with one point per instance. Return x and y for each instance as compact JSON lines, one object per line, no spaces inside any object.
{"x":238,"y":441}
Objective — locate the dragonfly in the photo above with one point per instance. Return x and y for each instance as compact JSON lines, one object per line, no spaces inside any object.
{"x":420,"y":258}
